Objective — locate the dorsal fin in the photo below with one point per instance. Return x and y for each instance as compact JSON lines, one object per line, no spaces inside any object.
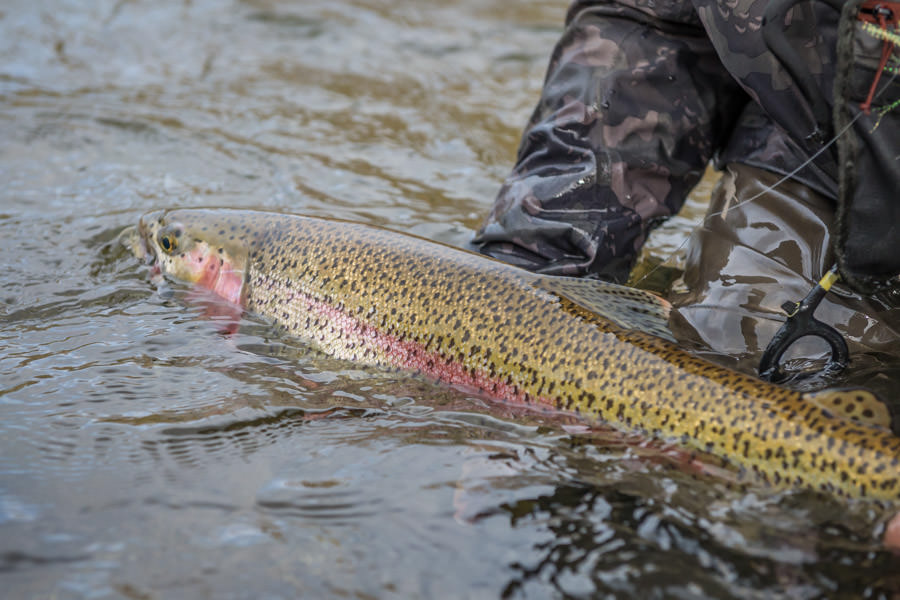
{"x":860,"y":405}
{"x":629,"y":308}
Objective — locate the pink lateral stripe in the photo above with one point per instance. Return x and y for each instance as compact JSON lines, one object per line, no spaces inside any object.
{"x":392,"y":350}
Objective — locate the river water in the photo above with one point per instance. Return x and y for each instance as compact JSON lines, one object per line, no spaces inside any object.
{"x":146,"y":454}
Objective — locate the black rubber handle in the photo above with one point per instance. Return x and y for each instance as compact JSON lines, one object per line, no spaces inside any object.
{"x":801,"y":323}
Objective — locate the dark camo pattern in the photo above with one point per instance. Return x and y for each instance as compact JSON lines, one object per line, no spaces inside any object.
{"x":639,"y":96}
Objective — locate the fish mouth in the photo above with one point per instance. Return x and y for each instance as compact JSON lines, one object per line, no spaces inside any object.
{"x":140,"y":240}
{"x":132,"y":239}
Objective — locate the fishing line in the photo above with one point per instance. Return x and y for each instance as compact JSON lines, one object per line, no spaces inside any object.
{"x":790,"y":175}
{"x":761,"y":193}
{"x":894,"y":71}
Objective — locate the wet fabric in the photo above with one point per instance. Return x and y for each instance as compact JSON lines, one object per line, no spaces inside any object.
{"x":757,"y":248}
{"x":868,"y":102}
{"x":633,"y":108}
{"x":639,"y":96}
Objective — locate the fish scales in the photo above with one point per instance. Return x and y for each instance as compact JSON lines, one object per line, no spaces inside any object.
{"x":369,"y":294}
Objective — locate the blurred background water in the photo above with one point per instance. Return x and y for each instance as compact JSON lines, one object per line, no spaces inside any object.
{"x":145,"y":454}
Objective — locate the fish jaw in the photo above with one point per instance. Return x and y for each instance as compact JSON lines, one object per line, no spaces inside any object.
{"x":174,"y":249}
{"x":131,"y":239}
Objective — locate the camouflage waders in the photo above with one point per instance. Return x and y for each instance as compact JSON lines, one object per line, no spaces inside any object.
{"x":640,"y":95}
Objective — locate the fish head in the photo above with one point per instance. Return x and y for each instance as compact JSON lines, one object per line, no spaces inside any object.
{"x":200,"y":247}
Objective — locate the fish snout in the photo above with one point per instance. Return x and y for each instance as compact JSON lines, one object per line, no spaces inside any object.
{"x":147,"y":229}
{"x":130,"y":238}
{"x":145,"y":244}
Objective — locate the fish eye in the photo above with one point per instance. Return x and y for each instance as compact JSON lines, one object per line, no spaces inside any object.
{"x":170,"y":238}
{"x":168,"y":241}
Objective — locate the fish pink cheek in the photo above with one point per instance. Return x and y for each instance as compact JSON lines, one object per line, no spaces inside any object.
{"x":216,"y":275}
{"x":229,"y":285}
{"x":206,"y":269}
{"x":219,"y":277}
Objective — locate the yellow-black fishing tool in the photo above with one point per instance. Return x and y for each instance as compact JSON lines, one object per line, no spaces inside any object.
{"x":801,"y":323}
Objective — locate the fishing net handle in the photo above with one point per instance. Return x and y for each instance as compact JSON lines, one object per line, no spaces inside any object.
{"x":801,"y":323}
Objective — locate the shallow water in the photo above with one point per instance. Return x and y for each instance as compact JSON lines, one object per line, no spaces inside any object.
{"x":146,"y":454}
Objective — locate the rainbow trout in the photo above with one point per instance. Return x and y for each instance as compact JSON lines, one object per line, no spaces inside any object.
{"x":367,"y":294}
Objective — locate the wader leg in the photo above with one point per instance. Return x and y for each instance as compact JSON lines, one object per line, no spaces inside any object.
{"x":747,"y":259}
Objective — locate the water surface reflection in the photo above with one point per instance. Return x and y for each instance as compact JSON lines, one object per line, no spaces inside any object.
{"x":145,"y":454}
